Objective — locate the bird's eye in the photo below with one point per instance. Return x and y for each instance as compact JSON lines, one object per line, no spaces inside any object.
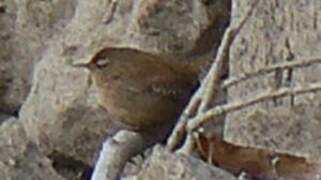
{"x":102,"y":62}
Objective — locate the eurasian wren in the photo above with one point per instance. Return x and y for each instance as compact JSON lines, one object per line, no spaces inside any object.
{"x":141,"y":89}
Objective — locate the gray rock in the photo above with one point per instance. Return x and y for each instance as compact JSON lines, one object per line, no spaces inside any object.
{"x":4,"y":117}
{"x":165,"y":165}
{"x":26,"y":27}
{"x":292,"y":130}
{"x":21,"y":159}
{"x":279,"y":32}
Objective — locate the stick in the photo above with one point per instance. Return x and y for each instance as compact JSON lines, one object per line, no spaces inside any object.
{"x":223,"y":109}
{"x":210,"y":84}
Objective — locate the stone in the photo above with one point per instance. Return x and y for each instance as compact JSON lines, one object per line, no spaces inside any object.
{"x":278,"y":33}
{"x":20,"y":158}
{"x":26,"y":27}
{"x":165,"y":165}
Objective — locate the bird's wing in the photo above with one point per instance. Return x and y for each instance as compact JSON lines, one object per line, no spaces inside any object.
{"x":172,"y":87}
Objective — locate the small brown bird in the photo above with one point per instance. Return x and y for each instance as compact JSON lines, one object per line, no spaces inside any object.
{"x":141,"y":89}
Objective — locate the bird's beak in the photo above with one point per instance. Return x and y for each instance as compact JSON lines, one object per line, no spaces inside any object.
{"x":86,"y":65}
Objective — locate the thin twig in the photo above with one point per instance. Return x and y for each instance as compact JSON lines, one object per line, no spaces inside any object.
{"x":293,"y":64}
{"x":188,"y":146}
{"x":223,"y":109}
{"x":210,"y":84}
{"x":179,"y":130}
{"x":213,"y":79}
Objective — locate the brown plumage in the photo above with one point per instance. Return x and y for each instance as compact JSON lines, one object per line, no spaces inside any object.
{"x":141,"y":89}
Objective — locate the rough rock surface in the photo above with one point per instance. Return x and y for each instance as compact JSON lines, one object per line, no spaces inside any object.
{"x":26,"y":27}
{"x":164,"y":165}
{"x":3,"y":117}
{"x":279,"y":32}
{"x":20,"y":158}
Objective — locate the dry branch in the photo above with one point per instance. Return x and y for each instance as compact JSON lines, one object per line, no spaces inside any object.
{"x":223,"y":109}
{"x":287,"y":65}
{"x":210,"y":85}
